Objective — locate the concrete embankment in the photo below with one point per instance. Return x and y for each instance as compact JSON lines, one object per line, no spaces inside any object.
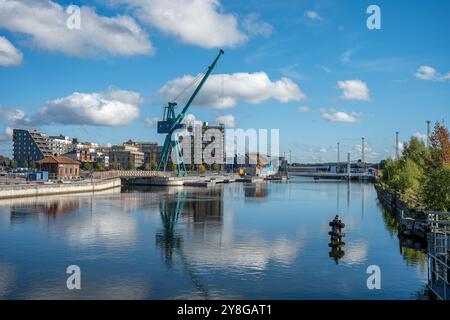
{"x":193,"y":180}
{"x":36,"y":190}
{"x":411,"y":222}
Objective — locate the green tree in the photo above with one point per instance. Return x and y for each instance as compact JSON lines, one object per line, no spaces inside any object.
{"x":99,"y":166}
{"x":436,"y":189}
{"x":422,"y":173}
{"x":409,"y":175}
{"x":154,"y":162}
{"x":25,"y":164}
{"x":215,"y":167}
{"x":131,"y":166}
{"x":32,"y":165}
{"x":87,"y":166}
{"x":14,"y":164}
{"x":416,"y":151}
{"x":114,"y":166}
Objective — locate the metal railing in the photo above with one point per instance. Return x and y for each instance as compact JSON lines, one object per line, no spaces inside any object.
{"x":128,"y":174}
{"x":438,"y":254}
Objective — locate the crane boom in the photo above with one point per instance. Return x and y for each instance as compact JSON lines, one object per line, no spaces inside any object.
{"x":171,"y":123}
{"x":197,"y":90}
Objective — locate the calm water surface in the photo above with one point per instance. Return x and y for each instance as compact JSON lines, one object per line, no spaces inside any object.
{"x":251,"y":241}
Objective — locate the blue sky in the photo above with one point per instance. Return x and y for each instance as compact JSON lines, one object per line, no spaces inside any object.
{"x":310,"y":68}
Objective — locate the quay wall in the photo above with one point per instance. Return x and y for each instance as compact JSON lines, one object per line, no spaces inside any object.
{"x":411,"y":222}
{"x":35,"y":190}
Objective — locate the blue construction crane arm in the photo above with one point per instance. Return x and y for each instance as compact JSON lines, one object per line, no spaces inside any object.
{"x":180,"y":117}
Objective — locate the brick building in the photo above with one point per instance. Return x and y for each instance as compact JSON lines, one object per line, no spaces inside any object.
{"x":60,"y":167}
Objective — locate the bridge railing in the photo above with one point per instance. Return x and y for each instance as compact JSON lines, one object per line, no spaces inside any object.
{"x":129,"y":174}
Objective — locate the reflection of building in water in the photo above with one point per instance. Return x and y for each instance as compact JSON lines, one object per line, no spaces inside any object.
{"x":255,"y":190}
{"x":20,"y":213}
{"x":201,"y":208}
{"x":205,"y":205}
{"x":60,"y":207}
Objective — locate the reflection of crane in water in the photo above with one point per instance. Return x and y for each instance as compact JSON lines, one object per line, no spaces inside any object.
{"x":171,"y":242}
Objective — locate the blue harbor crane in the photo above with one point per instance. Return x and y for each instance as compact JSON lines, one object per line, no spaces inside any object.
{"x":171,"y":123}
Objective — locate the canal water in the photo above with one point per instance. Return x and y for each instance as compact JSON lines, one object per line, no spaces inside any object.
{"x":233,"y":241}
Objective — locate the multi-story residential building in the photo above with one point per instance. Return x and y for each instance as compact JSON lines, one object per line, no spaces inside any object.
{"x":101,"y":158}
{"x":60,"y":144}
{"x":126,"y":156}
{"x":29,"y":146}
{"x":151,"y":150}
{"x":81,"y":155}
{"x":79,"y":145}
{"x":196,"y":152}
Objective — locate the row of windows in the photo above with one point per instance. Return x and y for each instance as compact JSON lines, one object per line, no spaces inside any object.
{"x":69,"y":171}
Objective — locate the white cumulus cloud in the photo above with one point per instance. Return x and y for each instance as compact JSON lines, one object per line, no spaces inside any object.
{"x":227,"y":120}
{"x":347,"y":55}
{"x":14,"y":115}
{"x":354,"y":90}
{"x":431,"y":74}
{"x":45,"y":25}
{"x":313,"y":15}
{"x":254,"y":27}
{"x":421,"y":136}
{"x":226,"y":90}
{"x":6,"y":135}
{"x":340,"y":116}
{"x":112,"y":108}
{"x":151,"y":122}
{"x":189,"y":118}
{"x":303,"y":109}
{"x":197,"y":22}
{"x":9,"y":55}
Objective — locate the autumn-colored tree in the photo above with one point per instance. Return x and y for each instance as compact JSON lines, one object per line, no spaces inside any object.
{"x":440,"y":143}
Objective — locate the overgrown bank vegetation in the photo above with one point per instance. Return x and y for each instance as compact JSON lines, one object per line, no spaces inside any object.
{"x":422,"y":174}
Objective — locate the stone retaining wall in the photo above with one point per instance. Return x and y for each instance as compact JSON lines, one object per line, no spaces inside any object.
{"x":35,"y":190}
